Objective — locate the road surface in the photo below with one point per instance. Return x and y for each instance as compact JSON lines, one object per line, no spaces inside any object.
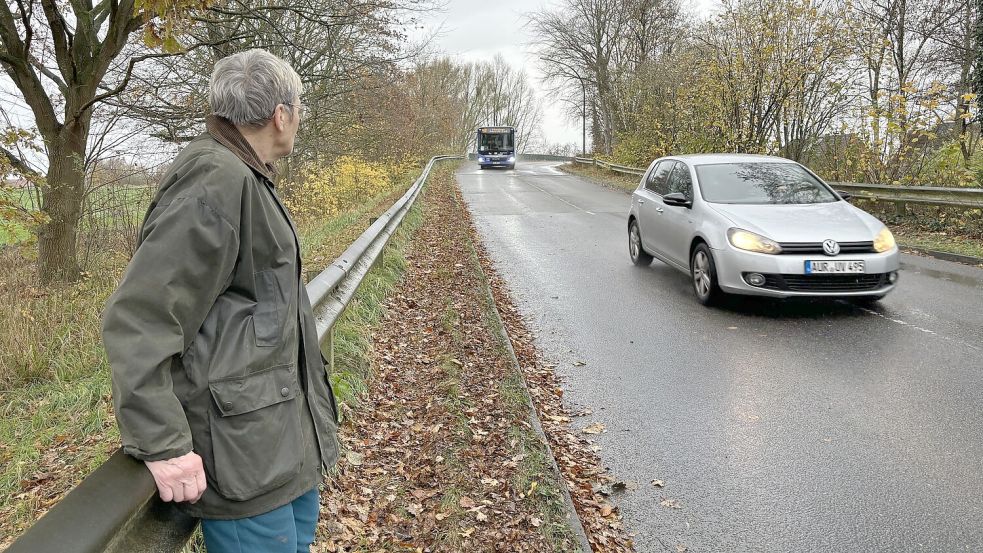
{"x":776,"y":426}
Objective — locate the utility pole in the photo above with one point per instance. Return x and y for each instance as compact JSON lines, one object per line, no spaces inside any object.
{"x":583,"y":117}
{"x":574,"y":73}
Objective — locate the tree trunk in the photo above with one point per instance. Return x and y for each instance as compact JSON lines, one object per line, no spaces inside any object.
{"x":62,"y":206}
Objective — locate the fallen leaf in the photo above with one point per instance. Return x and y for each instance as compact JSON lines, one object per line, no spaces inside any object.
{"x":579,"y":364}
{"x":535,"y":522}
{"x":606,"y":510}
{"x":594,"y":428}
{"x":414,"y":509}
{"x":466,"y":503}
{"x":658,"y":483}
{"x":482,"y":517}
{"x":354,"y":458}
{"x":621,"y":486}
{"x":670,"y":503}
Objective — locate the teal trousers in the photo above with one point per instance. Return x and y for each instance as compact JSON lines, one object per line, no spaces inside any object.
{"x":288,"y":529}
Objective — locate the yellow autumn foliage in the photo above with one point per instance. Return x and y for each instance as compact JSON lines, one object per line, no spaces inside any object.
{"x":324,"y":190}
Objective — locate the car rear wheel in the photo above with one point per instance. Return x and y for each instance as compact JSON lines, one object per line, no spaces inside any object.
{"x":638,"y":254}
{"x":704,"y":274}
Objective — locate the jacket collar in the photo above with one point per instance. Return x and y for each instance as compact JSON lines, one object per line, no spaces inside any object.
{"x":226,"y":134}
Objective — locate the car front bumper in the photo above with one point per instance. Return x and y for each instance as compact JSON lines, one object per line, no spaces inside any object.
{"x":785,"y":274}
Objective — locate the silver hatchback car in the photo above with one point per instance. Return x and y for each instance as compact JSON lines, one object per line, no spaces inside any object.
{"x":758,"y":225}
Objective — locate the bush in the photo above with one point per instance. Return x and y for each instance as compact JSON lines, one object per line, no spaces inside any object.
{"x":325,"y":190}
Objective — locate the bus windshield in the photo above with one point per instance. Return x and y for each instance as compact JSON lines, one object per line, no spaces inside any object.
{"x":495,"y":141}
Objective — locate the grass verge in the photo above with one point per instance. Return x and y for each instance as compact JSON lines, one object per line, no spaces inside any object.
{"x":537,"y":472}
{"x":610,"y":179}
{"x":941,"y":242}
{"x":440,"y":455}
{"x":352,"y":339}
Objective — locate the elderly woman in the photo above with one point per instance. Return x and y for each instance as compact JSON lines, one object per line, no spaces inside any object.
{"x":218,"y":381}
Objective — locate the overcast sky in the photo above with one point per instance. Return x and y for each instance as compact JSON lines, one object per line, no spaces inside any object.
{"x":471,"y":31}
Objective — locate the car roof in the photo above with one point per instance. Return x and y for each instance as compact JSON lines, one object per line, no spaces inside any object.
{"x":708,"y":159}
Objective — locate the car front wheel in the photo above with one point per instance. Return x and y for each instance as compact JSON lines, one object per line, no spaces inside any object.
{"x":638,"y":254}
{"x":704,"y":274}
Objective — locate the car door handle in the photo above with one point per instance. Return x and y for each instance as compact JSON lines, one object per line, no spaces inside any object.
{"x":640,"y":202}
{"x":659,"y":209}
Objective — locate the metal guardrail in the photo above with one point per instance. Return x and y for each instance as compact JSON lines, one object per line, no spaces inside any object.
{"x":116,"y":508}
{"x":926,"y":195}
{"x":971,"y":198}
{"x":544,"y":157}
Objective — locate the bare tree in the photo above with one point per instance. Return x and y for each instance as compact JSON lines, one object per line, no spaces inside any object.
{"x":67,"y":59}
{"x":58,"y":56}
{"x":584,"y":35}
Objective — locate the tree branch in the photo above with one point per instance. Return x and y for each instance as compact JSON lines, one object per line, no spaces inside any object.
{"x":126,"y":78}
{"x":55,"y":78}
{"x":18,"y":164}
{"x":15,"y":60}
{"x":137,"y":59}
{"x":62,"y":39}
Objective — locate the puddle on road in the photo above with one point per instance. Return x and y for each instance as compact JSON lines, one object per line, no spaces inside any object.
{"x":943,"y":275}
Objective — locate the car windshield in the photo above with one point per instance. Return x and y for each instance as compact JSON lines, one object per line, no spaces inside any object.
{"x":760,"y":183}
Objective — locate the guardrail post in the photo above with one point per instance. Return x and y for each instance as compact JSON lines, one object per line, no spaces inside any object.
{"x":901,"y":208}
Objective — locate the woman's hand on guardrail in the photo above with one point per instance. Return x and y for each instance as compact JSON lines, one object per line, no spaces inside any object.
{"x":179,"y":479}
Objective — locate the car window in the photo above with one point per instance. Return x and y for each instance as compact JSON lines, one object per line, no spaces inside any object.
{"x":761,"y":183}
{"x":681,"y":181}
{"x":658,"y":180}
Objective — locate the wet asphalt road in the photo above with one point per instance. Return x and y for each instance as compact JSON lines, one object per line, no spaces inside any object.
{"x":777,"y":426}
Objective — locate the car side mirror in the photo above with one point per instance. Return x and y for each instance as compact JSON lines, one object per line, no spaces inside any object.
{"x":677,"y":199}
{"x":845,"y":195}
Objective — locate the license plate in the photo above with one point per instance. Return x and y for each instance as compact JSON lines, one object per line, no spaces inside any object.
{"x":834,"y":267}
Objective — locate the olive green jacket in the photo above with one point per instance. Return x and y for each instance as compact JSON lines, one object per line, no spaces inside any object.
{"x":212,"y":339}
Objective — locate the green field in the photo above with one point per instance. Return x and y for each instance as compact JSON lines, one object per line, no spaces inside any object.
{"x":12,"y":231}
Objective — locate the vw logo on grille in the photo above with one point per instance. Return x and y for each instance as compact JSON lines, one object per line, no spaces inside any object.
{"x":830,"y":247}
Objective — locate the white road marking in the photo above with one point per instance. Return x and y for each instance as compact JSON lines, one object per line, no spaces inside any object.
{"x":918,"y":328}
{"x":561,"y":199}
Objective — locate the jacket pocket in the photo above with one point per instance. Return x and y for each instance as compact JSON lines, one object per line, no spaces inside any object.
{"x":270,"y":309}
{"x":257,"y":441}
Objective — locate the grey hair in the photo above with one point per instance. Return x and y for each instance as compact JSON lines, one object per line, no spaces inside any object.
{"x":247,"y":87}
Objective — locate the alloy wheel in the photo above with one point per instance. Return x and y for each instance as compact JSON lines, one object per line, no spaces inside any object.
{"x":634,"y":242}
{"x":701,"y":274}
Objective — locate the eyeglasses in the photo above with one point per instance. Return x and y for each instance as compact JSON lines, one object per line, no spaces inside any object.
{"x":301,"y":109}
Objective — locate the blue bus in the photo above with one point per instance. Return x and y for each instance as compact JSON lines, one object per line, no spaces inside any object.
{"x":496,"y":147}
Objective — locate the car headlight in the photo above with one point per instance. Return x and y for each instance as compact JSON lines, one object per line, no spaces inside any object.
{"x":480,"y":159}
{"x":512,"y":158}
{"x":884,"y":241}
{"x":749,"y":241}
